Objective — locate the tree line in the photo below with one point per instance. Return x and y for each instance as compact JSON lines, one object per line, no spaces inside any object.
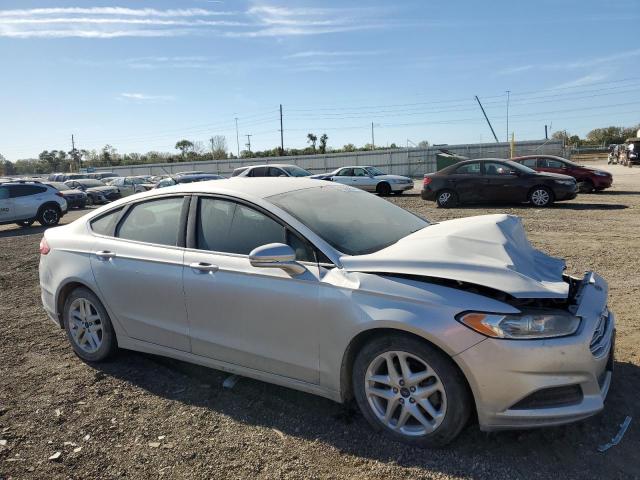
{"x":216,"y":148}
{"x":598,"y":137}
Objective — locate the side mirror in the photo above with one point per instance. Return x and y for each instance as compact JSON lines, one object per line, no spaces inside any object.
{"x":276,"y":255}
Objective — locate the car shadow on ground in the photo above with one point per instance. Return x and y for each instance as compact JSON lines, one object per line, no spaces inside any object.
{"x":555,"y":206}
{"x":315,"y":419}
{"x":22,"y":231}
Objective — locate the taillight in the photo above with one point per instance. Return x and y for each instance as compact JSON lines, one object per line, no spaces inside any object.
{"x":59,"y":194}
{"x":44,"y":247}
{"x":426,"y":181}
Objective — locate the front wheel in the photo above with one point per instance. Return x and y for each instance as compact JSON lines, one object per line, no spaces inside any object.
{"x":411,"y":391}
{"x":383,"y":189}
{"x":88,"y":326}
{"x":586,"y":186}
{"x":541,"y":197}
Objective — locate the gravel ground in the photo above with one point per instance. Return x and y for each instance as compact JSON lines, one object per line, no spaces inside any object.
{"x":140,"y":416}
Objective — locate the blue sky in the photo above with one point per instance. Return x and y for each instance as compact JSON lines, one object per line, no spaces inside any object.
{"x":140,"y":75}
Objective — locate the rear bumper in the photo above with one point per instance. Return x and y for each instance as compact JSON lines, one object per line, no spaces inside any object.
{"x":428,"y":194}
{"x":505,"y":374}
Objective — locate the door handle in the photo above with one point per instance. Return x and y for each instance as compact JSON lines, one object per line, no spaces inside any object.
{"x":202,"y":267}
{"x":105,"y":255}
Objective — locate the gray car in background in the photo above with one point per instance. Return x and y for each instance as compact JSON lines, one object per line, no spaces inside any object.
{"x":285,"y":280}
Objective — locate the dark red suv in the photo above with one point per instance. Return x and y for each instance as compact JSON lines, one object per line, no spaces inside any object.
{"x":589,"y":179}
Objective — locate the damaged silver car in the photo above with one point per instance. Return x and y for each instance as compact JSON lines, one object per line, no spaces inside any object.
{"x":333,"y":291}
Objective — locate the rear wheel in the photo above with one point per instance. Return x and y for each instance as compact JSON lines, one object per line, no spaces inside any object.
{"x":541,"y":197}
{"x":88,"y":326}
{"x":49,"y":215}
{"x":383,"y":189}
{"x":447,"y":199}
{"x":89,"y":201}
{"x":411,"y":391}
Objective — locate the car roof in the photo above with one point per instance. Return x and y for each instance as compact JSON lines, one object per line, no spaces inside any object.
{"x":542,"y":155}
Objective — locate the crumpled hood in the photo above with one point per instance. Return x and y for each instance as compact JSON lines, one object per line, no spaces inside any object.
{"x":489,"y":250}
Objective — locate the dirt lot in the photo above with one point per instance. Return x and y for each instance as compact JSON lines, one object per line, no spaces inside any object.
{"x":140,"y":416}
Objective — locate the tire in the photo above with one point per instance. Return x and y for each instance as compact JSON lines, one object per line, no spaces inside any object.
{"x":586,"y":186}
{"x":91,"y":336}
{"x":89,"y":201}
{"x":447,"y":199}
{"x":25,"y":223}
{"x":449,"y":403}
{"x":541,"y":197}
{"x":49,"y":215}
{"x":383,"y":189}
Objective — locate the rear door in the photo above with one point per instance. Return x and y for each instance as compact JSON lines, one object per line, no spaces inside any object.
{"x":6,"y":205}
{"x":137,"y":262}
{"x":466,"y":182}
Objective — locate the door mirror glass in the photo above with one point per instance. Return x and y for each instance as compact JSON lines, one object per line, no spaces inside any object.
{"x":276,"y":255}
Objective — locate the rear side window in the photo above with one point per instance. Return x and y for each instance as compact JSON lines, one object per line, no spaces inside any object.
{"x":551,"y":163}
{"x":530,"y":162}
{"x":155,"y":221}
{"x":345,"y":172}
{"x":16,"y":191}
{"x":4,"y":193}
{"x":106,"y":224}
{"x":229,"y":227}
{"x":469,"y":169}
{"x":276,"y":172}
{"x":258,"y":172}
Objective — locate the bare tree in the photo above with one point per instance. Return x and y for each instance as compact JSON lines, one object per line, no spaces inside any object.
{"x":218,"y":147}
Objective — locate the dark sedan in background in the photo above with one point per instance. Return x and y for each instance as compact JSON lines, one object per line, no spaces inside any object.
{"x":589,"y":179}
{"x":97,"y":192}
{"x":496,"y":181}
{"x":75,"y":198}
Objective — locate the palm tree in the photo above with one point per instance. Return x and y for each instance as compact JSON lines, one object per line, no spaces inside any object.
{"x":312,"y":139}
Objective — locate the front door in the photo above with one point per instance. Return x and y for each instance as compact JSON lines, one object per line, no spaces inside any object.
{"x":363,"y":180}
{"x":501,"y":183}
{"x":260,"y":318}
{"x":466,"y":182}
{"x":140,"y":271}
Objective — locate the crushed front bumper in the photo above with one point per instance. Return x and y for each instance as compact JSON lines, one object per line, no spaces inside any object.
{"x":536,"y":383}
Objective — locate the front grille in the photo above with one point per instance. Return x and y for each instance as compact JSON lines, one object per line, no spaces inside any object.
{"x":599,"y":344}
{"x":551,"y":397}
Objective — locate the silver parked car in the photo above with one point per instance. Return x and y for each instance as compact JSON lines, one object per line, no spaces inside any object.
{"x":370,"y":179}
{"x":284,"y":280}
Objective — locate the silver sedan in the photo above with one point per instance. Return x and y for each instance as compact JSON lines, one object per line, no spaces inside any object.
{"x":284,"y":280}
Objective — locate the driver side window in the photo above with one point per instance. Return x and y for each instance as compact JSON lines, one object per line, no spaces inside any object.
{"x":495,"y":168}
{"x":229,"y":227}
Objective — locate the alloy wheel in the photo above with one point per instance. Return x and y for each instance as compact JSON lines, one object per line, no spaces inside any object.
{"x":540,"y":197}
{"x":50,"y":216}
{"x":85,"y":325}
{"x":405,"y":393}
{"x":444,"y":197}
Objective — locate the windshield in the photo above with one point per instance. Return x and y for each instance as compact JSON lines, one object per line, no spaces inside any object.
{"x":374,"y":171}
{"x":520,"y":167}
{"x":296,"y":171}
{"x":342,"y":216}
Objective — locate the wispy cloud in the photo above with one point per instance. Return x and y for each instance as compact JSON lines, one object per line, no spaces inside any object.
{"x":582,"y":81}
{"x":142,"y":97}
{"x":257,"y":21}
{"x":337,"y":53}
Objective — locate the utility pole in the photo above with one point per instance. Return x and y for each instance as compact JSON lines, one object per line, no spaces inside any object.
{"x":237,"y":138}
{"x":373,"y":143}
{"x":546,"y":133}
{"x":281,"y":133}
{"x":487,"y":119}
{"x":249,"y":143}
{"x":74,"y":154}
{"x":508,"y":98}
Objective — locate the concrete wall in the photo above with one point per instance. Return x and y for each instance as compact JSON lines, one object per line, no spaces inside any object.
{"x":413,"y":162}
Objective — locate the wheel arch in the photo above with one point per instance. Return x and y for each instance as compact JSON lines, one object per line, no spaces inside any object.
{"x":364,"y":337}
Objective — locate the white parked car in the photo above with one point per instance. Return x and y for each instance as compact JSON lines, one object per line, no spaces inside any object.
{"x":284,"y":280}
{"x":127,"y":185}
{"x":24,"y":202}
{"x":370,"y":179}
